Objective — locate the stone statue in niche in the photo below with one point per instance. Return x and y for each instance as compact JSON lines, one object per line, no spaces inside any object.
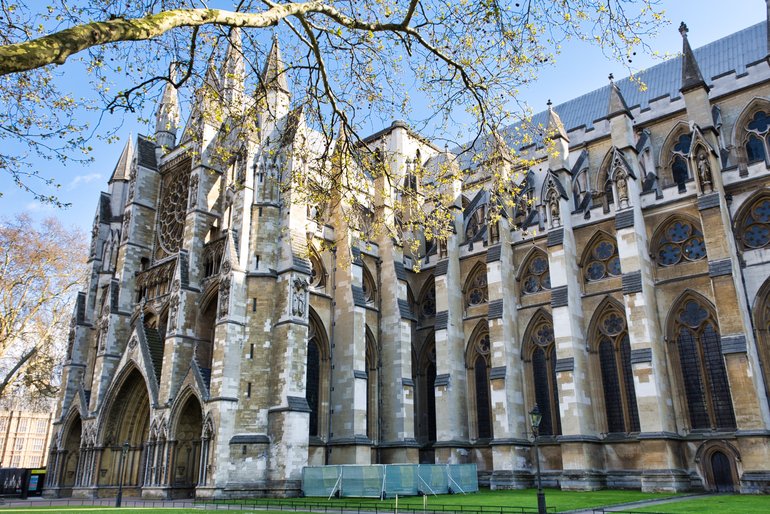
{"x":126,"y":224}
{"x":193,"y":201}
{"x":224,"y":297}
{"x":94,"y":238}
{"x":299,"y":297}
{"x":553,"y":206}
{"x":173,"y":306}
{"x":131,"y":184}
{"x":621,"y":184}
{"x":442,"y":249}
{"x":494,"y":231}
{"x":704,"y":172}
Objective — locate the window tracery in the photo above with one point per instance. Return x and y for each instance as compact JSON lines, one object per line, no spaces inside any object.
{"x":758,"y":137}
{"x":480,"y":363}
{"x":476,"y":223}
{"x":614,"y":350}
{"x":702,"y":367}
{"x":543,"y":355}
{"x":679,"y":241}
{"x":317,"y":273}
{"x":428,"y":302}
{"x":754,"y":226}
{"x":369,"y":289}
{"x":173,"y":207}
{"x":476,"y":293}
{"x":603,"y":261}
{"x":537,"y":276}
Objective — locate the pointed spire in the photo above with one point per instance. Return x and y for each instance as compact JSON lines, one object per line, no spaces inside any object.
{"x":617,"y":104}
{"x":555,"y":126}
{"x":233,"y":68}
{"x":167,"y":116}
{"x":274,"y":74}
{"x":691,"y":75}
{"x":122,"y":169}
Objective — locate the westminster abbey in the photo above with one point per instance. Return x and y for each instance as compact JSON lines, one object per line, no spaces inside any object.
{"x":231,"y":336}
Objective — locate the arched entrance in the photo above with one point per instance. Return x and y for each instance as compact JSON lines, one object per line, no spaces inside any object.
{"x":722,"y":475}
{"x":187,"y":448}
{"x":127,"y":421}
{"x":70,"y":457}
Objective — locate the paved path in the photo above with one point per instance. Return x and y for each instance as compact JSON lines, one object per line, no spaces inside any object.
{"x":622,"y":507}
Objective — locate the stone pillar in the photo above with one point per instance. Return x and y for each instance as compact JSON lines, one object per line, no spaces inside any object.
{"x":510,"y":447}
{"x":451,"y":392}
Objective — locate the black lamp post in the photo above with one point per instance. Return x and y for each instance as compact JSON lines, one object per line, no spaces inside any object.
{"x":121,"y":464}
{"x":535,"y":417}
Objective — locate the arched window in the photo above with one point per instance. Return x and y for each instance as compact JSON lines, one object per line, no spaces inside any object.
{"x":313,"y":386}
{"x":367,"y":284}
{"x":762,"y":326}
{"x":476,"y":223}
{"x":428,"y":301}
{"x":614,"y":349}
{"x":754,"y":224}
{"x":480,"y":362}
{"x":757,"y":137}
{"x":425,"y":393}
{"x":317,"y":272}
{"x":476,"y":292}
{"x":536,"y":276}
{"x":372,"y":368}
{"x":542,"y":350}
{"x":702,"y":366}
{"x":678,"y":241}
{"x":317,"y":375}
{"x":602,"y":260}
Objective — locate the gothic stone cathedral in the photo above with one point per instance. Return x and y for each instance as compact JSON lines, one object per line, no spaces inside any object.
{"x":636,"y":317}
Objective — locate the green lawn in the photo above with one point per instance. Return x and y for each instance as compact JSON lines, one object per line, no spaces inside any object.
{"x":727,"y":504}
{"x":556,"y":499}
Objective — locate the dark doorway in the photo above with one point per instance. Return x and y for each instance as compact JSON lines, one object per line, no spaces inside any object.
{"x":722,"y":473}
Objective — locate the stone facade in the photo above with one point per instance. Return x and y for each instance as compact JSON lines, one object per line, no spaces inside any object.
{"x":628,"y":299}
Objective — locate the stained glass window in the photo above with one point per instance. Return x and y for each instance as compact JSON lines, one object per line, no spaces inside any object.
{"x":755,"y":225}
{"x":757,"y":140}
{"x":483,"y":406}
{"x":603,"y":261}
{"x":476,"y":292}
{"x":680,"y":241}
{"x":680,"y":171}
{"x":702,"y":365}
{"x":536,"y":278}
{"x":614,"y":350}
{"x":544,"y":374}
{"x":428,"y":302}
{"x":313,"y":384}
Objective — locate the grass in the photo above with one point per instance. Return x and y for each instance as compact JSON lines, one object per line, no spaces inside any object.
{"x":556,"y":499}
{"x":724,"y":504}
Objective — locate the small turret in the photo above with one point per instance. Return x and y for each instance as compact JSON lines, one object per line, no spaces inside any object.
{"x":621,"y":128}
{"x":559,"y":157}
{"x":122,"y":169}
{"x":691,"y":75}
{"x":233,"y":71}
{"x":273,"y":88}
{"x":167,"y":116}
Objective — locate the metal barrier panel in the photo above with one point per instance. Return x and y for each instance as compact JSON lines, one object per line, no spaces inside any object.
{"x":401,"y":479}
{"x":432,"y":479}
{"x":362,"y":481}
{"x":320,"y":480}
{"x":464,"y":477}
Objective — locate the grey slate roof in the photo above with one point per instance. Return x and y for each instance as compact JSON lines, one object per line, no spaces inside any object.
{"x":732,"y":53}
{"x":146,"y":153}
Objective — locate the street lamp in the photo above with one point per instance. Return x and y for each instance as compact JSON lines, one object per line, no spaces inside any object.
{"x":121,"y":463}
{"x":535,"y":417}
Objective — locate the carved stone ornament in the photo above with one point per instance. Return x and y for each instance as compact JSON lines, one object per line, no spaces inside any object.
{"x":103,"y":324}
{"x":126,"y":224}
{"x":442,"y":248}
{"x":299,"y":297}
{"x":704,"y":172}
{"x":131,"y":184}
{"x":132,"y":343}
{"x":553,"y":204}
{"x":173,"y":310}
{"x":94,"y":238}
{"x":226,"y":267}
{"x":224,"y":297}
{"x":621,"y":184}
{"x":71,"y":337}
{"x":193,"y":202}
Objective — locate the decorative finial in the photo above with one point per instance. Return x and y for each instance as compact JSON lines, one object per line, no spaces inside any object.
{"x":683,"y":30}
{"x":275,"y":36}
{"x":549,"y":103}
{"x":611,"y":77}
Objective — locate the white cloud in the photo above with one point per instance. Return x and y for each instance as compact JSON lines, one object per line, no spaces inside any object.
{"x":83,"y":179}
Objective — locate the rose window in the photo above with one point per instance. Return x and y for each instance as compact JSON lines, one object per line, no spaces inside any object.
{"x":756,"y":225}
{"x":173,"y":208}
{"x":680,"y":241}
{"x":537,"y":277}
{"x":604,"y":262}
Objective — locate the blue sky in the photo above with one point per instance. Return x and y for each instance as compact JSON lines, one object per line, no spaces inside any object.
{"x":579,"y":69}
